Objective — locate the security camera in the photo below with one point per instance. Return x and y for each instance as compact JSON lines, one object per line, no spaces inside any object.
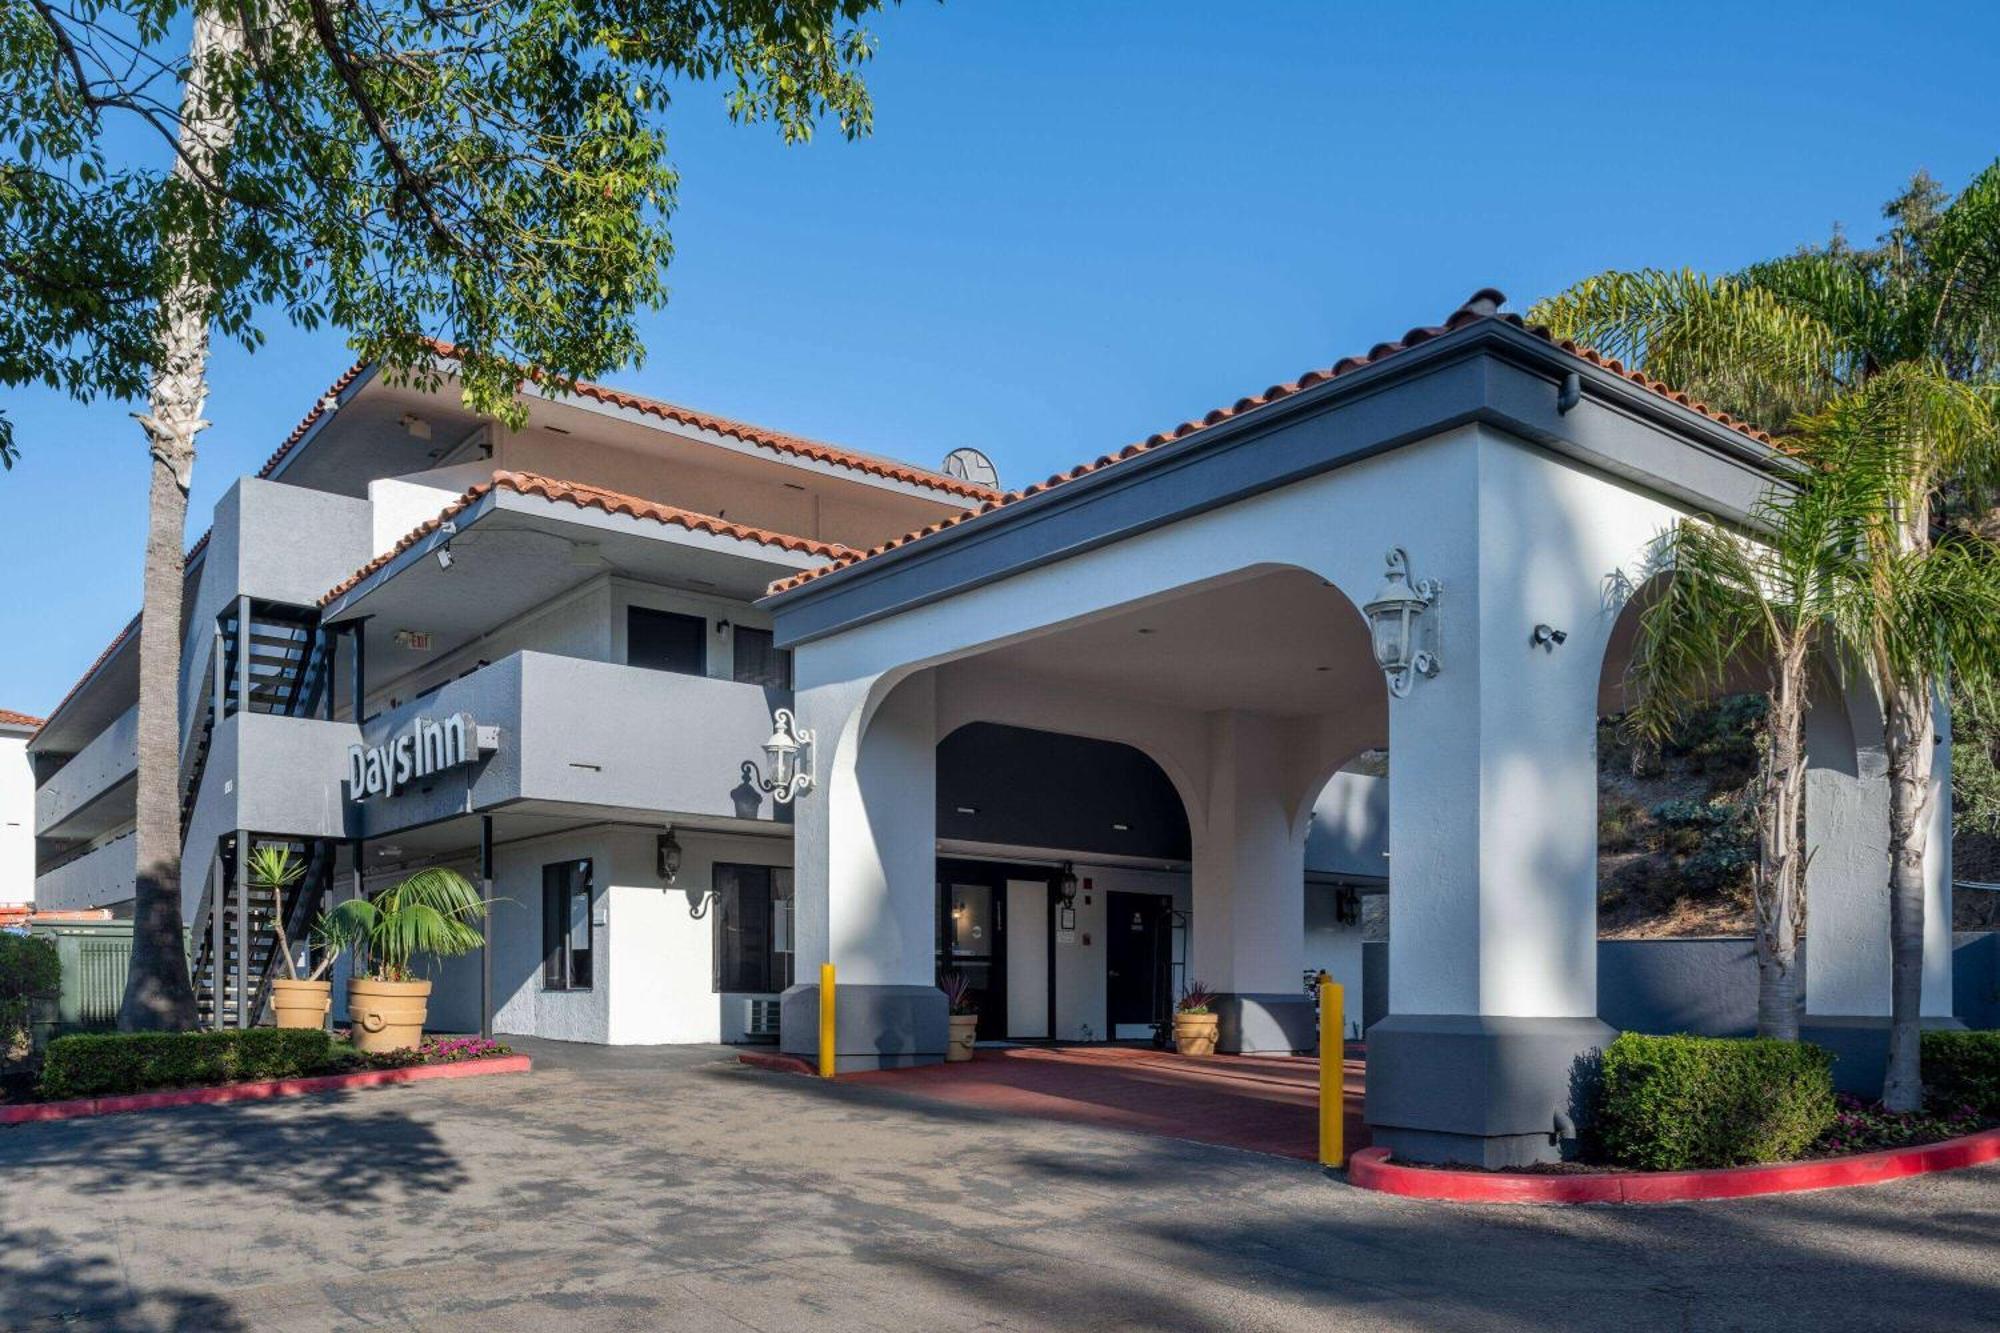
{"x":1547,"y":636}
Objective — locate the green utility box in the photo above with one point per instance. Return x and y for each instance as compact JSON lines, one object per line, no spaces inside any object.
{"x":95,"y":956}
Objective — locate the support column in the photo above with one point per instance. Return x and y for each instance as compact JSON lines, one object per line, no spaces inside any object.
{"x":486,"y":926}
{"x":218,"y":909}
{"x":1249,"y":889}
{"x":865,"y":875}
{"x":242,"y":928}
{"x":1847,"y":965}
{"x":1492,"y":1034}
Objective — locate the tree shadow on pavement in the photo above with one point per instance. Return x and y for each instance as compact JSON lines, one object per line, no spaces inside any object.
{"x":44,"y":1285}
{"x":343,"y":1156}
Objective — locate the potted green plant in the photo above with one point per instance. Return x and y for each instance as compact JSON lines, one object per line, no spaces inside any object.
{"x":296,"y":1001}
{"x":432,"y":912}
{"x":1195,"y":1021}
{"x":964,"y":1016}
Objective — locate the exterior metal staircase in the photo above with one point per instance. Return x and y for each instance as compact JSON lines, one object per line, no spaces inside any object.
{"x":233,"y":983}
{"x":266,"y":658}
{"x":288,"y":674}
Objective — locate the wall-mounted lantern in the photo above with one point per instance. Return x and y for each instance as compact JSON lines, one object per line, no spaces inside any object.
{"x":667,"y":849}
{"x":1066,"y":885}
{"x":1403,"y":635}
{"x":790,"y":754}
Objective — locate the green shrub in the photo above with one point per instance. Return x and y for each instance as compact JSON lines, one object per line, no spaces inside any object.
{"x":1676,"y":1103}
{"x":114,"y":1063}
{"x":1963,"y":1069}
{"x":29,"y":971}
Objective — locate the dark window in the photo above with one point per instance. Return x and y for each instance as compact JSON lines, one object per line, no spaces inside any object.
{"x":566,"y":929}
{"x":759,"y":661}
{"x":665,"y":641}
{"x":753,"y":928}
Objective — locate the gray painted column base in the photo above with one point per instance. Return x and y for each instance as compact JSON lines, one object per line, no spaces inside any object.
{"x":1265,"y":1024}
{"x":1860,"y":1046}
{"x":875,"y":1027}
{"x":1479,"y":1090}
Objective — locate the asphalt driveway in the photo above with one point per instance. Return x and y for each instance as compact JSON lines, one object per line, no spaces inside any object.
{"x":674,"y":1188}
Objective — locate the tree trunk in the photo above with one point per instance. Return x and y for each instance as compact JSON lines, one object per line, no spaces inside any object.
{"x":1781,"y":868}
{"x":1910,"y":747}
{"x":158,"y":991}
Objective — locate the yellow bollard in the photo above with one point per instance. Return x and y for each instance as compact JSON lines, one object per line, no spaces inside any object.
{"x":826,"y":1020}
{"x":1332,"y":1075}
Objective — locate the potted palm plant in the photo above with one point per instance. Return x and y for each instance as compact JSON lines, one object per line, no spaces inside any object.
{"x":1195,"y":1021}
{"x":432,"y":912}
{"x":964,"y":1016}
{"x":296,"y":1001}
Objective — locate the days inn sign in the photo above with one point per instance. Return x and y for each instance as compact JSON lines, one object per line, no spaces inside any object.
{"x":427,"y":746}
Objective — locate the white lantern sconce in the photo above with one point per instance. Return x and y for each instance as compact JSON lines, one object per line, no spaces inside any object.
{"x":1403,"y":624}
{"x":790,"y":754}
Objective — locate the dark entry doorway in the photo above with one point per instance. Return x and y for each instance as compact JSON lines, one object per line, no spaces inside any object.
{"x":971,"y":939}
{"x":1137,"y":960}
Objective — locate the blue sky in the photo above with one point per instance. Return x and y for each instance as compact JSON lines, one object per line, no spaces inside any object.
{"x":1079,"y":223}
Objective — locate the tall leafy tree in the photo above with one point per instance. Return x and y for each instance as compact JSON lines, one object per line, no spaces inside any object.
{"x":1902,"y":337}
{"x":491,"y":171}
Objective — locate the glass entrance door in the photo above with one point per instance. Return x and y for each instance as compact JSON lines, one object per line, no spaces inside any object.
{"x":971,"y":925}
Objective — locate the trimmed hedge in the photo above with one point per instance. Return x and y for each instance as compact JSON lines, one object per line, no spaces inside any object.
{"x":29,"y":971}
{"x":1682,"y":1103}
{"x":1963,"y":1069}
{"x":123,"y":1062}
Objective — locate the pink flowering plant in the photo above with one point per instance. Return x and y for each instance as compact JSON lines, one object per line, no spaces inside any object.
{"x":1860,"y":1126}
{"x":433,"y":1051}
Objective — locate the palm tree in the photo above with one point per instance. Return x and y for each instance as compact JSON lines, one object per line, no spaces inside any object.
{"x":1794,"y":337}
{"x":1731,"y":604}
{"x":432,"y":912}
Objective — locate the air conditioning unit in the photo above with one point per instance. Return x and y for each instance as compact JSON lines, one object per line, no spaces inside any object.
{"x":760,"y":1018}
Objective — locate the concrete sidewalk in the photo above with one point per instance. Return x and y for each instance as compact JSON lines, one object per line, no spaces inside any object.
{"x":676,"y":1189}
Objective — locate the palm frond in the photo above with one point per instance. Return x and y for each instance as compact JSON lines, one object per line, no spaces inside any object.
{"x":1962,"y":298}
{"x":1732,"y":343}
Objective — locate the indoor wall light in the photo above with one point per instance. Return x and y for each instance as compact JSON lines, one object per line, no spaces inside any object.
{"x":1402,"y":624}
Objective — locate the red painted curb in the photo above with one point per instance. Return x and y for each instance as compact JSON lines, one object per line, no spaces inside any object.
{"x":257,"y":1092}
{"x":1371,"y":1169}
{"x":780,"y":1064}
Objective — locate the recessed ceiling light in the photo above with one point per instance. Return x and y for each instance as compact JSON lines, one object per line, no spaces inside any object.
{"x":1122,"y":828}
{"x":968,"y":809}
{"x":1145,"y":630}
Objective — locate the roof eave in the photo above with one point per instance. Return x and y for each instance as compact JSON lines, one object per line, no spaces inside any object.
{"x":1490,"y":335}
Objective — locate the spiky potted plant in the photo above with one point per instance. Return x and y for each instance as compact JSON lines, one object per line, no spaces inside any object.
{"x":296,"y":1001}
{"x":433,"y":912}
{"x":1195,"y":1021}
{"x":964,"y":1016}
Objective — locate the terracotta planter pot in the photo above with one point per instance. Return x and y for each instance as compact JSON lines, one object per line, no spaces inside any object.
{"x":964,"y":1031}
{"x":301,"y":1004}
{"x":1194,"y":1034}
{"x":387,"y":1015}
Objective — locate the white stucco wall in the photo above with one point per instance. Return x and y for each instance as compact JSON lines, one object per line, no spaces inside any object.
{"x":1335,"y":948}
{"x":17,"y":819}
{"x":1491,"y":826}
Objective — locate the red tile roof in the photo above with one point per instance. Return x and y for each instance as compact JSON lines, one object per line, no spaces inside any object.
{"x":1483,"y":304}
{"x":10,"y":718}
{"x":776,"y":441}
{"x":594,"y":497}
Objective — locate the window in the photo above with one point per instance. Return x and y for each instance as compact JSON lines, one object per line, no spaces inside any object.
{"x":666,"y":641}
{"x":759,"y":661}
{"x":566,"y":938}
{"x":753,"y":928}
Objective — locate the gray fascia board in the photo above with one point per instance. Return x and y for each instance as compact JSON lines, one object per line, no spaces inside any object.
{"x":343,"y":606}
{"x":1490,"y":373}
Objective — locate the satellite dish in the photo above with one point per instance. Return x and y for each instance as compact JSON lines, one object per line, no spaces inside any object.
{"x":971,"y":465}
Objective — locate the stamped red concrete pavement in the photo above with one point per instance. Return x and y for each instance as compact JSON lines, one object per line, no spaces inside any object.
{"x":1264,"y":1104}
